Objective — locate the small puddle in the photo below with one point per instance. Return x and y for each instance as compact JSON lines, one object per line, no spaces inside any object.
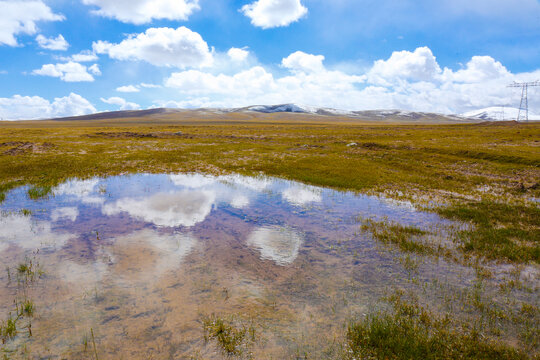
{"x":139,"y":261}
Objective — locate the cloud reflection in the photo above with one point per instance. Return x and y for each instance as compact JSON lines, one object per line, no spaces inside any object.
{"x":185,"y":208}
{"x":302,"y":195}
{"x":276,"y":243}
{"x":257,"y":184}
{"x":28,"y":234}
{"x":140,"y":256}
{"x":192,"y":181}
{"x":70,"y":213}
{"x":81,"y":189}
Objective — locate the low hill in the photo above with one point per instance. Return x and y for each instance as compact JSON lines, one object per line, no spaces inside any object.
{"x":274,"y":113}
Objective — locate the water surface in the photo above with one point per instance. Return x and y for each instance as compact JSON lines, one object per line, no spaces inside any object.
{"x":140,"y":260}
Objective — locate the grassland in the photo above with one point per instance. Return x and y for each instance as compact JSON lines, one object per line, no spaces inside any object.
{"x":485,"y":175}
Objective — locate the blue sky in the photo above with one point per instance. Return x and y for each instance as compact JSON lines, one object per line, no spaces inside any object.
{"x":442,"y":56}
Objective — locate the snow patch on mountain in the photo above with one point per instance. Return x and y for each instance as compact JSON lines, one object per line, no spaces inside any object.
{"x":497,"y":113}
{"x":295,"y":108}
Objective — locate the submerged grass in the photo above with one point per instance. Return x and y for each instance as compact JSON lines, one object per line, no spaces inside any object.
{"x":24,"y":310}
{"x":8,"y":329}
{"x":233,"y":337}
{"x":407,"y":238}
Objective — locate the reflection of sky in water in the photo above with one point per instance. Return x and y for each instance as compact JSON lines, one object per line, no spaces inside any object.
{"x":138,"y":256}
{"x":24,"y":232}
{"x":302,"y":195}
{"x":275,"y":243}
{"x":174,"y":244}
{"x":184,"y":208}
{"x":121,"y":205}
{"x":70,"y":213}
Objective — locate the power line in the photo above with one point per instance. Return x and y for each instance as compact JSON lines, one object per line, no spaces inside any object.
{"x":524,"y":104}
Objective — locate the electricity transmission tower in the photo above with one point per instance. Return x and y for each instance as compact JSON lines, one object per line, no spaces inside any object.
{"x":524,"y":105}
{"x":501,"y":115}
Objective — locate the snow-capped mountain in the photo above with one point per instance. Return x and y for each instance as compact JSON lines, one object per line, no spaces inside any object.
{"x":294,"y":108}
{"x":364,"y":115}
{"x":497,"y":113}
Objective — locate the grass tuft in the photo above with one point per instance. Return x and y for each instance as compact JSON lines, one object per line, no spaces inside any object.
{"x":233,"y":338}
{"x":8,"y":330}
{"x":39,"y":192}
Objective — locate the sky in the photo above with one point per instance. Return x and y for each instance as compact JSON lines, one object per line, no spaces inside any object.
{"x":74,"y":57}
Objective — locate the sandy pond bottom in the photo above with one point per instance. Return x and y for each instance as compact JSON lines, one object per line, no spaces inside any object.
{"x":141,"y":260}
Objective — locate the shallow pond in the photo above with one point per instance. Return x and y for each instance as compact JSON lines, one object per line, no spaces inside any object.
{"x":140,"y":261}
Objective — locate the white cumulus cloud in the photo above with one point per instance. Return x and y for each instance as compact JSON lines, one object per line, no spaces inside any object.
{"x":35,"y":107}
{"x":58,"y":43}
{"x":70,"y":213}
{"x":83,"y":56}
{"x":84,"y":191}
{"x":144,"y":11}
{"x":300,"y":61}
{"x":69,"y":72}
{"x":179,"y":48}
{"x":418,"y":65}
{"x":20,"y":17}
{"x":149,"y":86}
{"x":309,"y":82}
{"x":122,"y":103}
{"x":236,"y":54}
{"x":128,"y":89}
{"x":94,"y":69}
{"x":252,"y":81}
{"x":479,"y":69}
{"x":274,"y":13}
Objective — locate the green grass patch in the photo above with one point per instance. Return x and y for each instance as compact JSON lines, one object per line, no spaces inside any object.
{"x":500,"y":230}
{"x":39,"y":192}
{"x":412,"y":332}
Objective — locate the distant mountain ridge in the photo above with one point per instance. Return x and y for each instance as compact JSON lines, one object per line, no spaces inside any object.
{"x":364,"y":114}
{"x":487,"y":114}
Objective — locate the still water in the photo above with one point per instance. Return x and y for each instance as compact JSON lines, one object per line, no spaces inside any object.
{"x":140,"y":260}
